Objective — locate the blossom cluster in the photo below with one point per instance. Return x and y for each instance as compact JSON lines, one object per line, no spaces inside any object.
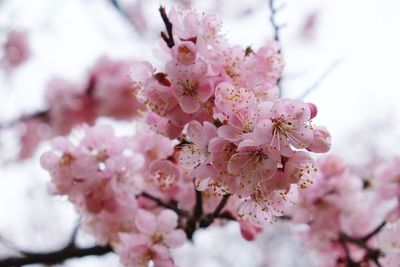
{"x":351,"y":216}
{"x":105,"y":92}
{"x":239,"y":137}
{"x":217,"y":142}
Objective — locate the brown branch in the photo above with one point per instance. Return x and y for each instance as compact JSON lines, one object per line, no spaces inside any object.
{"x":221,"y":206}
{"x":374,"y":232}
{"x":172,"y":205}
{"x":40,"y":115}
{"x":168,"y":37}
{"x":370,"y":253}
{"x":59,"y":256}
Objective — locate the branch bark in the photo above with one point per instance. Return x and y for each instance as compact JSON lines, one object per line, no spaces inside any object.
{"x":59,"y":256}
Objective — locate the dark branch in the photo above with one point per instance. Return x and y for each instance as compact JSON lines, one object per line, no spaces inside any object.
{"x":374,"y":232}
{"x":120,"y":10}
{"x":168,"y":37}
{"x":371,"y":254}
{"x":55,"y":257}
{"x":272,"y":19}
{"x":40,"y":115}
{"x":221,"y":206}
{"x":172,"y":206}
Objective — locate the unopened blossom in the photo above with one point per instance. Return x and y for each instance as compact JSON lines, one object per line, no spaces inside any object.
{"x":16,"y":50}
{"x":321,"y":141}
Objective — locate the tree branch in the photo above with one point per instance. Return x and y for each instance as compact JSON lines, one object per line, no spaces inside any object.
{"x":272,"y":19}
{"x":171,"y":205}
{"x":55,"y":257}
{"x":221,"y":206}
{"x":371,"y":254}
{"x":168,"y":37}
{"x":323,"y":76}
{"x":276,"y":28}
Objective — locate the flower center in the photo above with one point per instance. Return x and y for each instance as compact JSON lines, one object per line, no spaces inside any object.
{"x":157,"y":237}
{"x":189,"y":87}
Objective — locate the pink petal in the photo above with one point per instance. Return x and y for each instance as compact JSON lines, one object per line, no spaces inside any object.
{"x":189,"y":104}
{"x":167,"y":221}
{"x":191,"y":156}
{"x":175,"y":238}
{"x":146,"y":222}
{"x":195,"y":133}
{"x":229,"y":132}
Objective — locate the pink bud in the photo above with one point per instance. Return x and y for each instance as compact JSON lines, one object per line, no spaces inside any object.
{"x":322,"y":140}
{"x":249,"y":231}
{"x":313,"y":110}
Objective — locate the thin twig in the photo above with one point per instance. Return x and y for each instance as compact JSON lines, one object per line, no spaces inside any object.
{"x":374,"y":232}
{"x":323,"y":76}
{"x":276,"y":28}
{"x":120,"y":10}
{"x":161,"y":203}
{"x":272,"y":19}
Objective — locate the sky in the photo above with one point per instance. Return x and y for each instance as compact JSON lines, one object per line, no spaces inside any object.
{"x":357,"y":101}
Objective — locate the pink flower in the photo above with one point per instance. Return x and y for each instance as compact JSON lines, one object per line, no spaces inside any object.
{"x":154,"y":237}
{"x":195,"y":154}
{"x":253,"y":164}
{"x":185,"y":52}
{"x":389,"y":243}
{"x":240,"y":126}
{"x":112,"y":89}
{"x":190,"y":84}
{"x":230,"y":99}
{"x":153,"y":146}
{"x":164,"y":174}
{"x":160,"y":230}
{"x":99,"y":173}
{"x":162,"y":125}
{"x":301,"y":169}
{"x":332,"y":165}
{"x":264,"y":204}
{"x":69,"y":105}
{"x":290,"y":124}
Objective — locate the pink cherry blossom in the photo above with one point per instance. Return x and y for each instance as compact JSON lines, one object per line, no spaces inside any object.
{"x":290,"y":125}
{"x":189,"y":83}
{"x":154,"y":237}
{"x":196,"y":153}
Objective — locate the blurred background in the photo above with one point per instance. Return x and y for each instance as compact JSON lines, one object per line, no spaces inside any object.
{"x":342,"y":55}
